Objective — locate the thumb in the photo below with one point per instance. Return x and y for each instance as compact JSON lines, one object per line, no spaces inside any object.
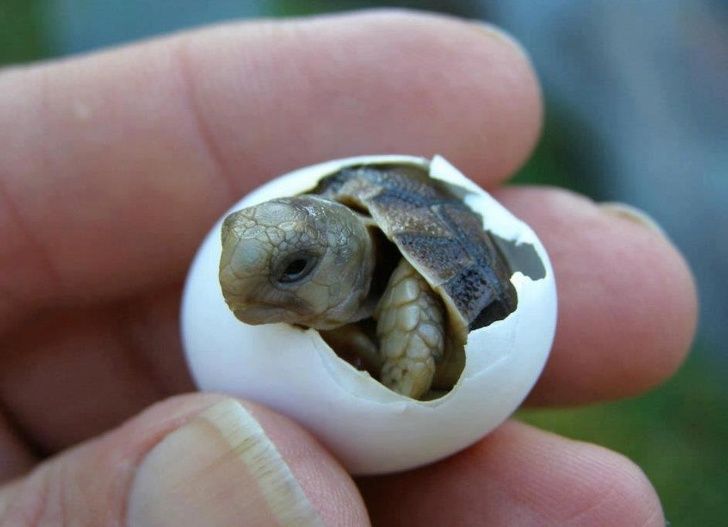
{"x":192,"y":460}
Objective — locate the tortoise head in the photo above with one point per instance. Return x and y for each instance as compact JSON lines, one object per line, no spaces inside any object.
{"x":302,"y":260}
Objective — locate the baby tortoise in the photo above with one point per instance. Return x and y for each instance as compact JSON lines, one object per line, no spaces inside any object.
{"x":322,"y":260}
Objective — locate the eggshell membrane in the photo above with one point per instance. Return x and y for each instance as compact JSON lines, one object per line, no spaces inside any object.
{"x":369,"y":428}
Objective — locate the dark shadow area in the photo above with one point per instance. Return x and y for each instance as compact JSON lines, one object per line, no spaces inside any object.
{"x":521,"y":257}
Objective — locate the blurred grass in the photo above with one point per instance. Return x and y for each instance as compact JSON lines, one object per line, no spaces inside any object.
{"x":22,"y":34}
{"x":565,"y":156}
{"x":678,"y":433}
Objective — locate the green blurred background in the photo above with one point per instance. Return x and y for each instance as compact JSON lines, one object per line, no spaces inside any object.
{"x":678,"y":433}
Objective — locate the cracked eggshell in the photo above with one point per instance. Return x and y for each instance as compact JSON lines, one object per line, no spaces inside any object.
{"x":369,"y":428}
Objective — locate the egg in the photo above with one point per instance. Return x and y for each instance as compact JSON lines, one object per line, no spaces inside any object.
{"x":369,"y":428}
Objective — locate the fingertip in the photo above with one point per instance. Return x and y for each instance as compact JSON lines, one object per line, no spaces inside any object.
{"x":519,"y":475}
{"x":619,"y":494}
{"x":596,"y":486}
{"x":327,"y":485}
{"x":627,"y":301}
{"x":191,"y":460}
{"x":671,"y":296}
{"x":234,"y":461}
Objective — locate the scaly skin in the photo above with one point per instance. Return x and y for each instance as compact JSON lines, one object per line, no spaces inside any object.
{"x":335,"y":251}
{"x":332,"y":244}
{"x":410,"y":328}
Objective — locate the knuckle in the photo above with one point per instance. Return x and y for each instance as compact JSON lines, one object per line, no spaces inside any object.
{"x":38,"y":500}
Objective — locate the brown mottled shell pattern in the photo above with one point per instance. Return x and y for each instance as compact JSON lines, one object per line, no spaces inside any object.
{"x":437,"y":233}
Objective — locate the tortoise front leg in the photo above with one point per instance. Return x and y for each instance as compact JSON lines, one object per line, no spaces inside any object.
{"x":356,"y":346}
{"x":410,"y":328}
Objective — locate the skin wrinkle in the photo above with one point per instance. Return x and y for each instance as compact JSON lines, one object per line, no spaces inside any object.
{"x":27,"y":500}
{"x":53,"y":273}
{"x":25,"y":437}
{"x":600,"y":499}
{"x":616,"y":494}
{"x":248,"y":83}
{"x":10,"y":307}
{"x":501,"y":481}
{"x":136,"y":358}
{"x":50,"y":272}
{"x":182,"y":60}
{"x":143,"y":320}
{"x":442,"y":46}
{"x":13,"y":446}
{"x":125,"y":390}
{"x":183,"y":135}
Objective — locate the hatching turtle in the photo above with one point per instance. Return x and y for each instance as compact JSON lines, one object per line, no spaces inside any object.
{"x":383,"y":260}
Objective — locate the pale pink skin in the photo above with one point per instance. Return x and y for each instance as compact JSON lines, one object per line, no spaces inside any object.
{"x":115,"y":165}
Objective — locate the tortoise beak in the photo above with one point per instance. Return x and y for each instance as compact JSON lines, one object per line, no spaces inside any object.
{"x":260,"y":314}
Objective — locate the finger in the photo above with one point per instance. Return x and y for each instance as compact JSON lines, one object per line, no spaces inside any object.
{"x":627,"y":301}
{"x":518,"y":476}
{"x":196,"y":460}
{"x":127,"y":355}
{"x":118,"y":163}
{"x":626,"y":317}
{"x":15,"y":457}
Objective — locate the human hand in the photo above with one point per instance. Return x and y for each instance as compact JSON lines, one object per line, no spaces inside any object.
{"x":114,"y":166}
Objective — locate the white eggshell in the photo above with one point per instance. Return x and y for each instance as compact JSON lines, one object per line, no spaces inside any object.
{"x":369,"y":428}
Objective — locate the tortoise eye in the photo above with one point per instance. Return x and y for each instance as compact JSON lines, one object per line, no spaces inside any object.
{"x":297,"y":269}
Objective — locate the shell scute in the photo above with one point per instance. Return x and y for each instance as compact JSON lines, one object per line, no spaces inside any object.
{"x":436,"y":232}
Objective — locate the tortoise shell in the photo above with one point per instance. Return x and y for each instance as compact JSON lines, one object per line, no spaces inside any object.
{"x":436,"y":232}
